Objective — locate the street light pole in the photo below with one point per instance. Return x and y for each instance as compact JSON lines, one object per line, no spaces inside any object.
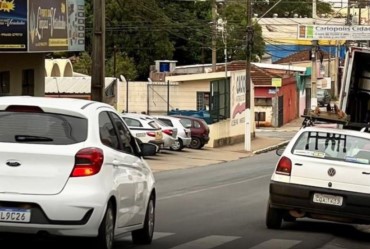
{"x":214,"y":27}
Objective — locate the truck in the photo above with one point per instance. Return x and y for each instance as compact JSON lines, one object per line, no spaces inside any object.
{"x":354,"y":97}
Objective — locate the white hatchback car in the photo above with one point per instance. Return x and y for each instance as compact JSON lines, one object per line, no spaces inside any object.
{"x":71,"y":167}
{"x":323,"y":173}
{"x":183,"y":133}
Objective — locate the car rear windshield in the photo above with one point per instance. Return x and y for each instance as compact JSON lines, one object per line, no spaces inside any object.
{"x":41,"y":128}
{"x":333,"y":146}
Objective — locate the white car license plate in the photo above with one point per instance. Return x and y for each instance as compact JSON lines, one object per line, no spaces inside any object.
{"x":15,"y":215}
{"x":328,"y":199}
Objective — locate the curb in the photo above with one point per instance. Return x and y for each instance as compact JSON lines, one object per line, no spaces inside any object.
{"x":270,"y":148}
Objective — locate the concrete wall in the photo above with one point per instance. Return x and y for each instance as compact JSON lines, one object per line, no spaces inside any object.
{"x":16,"y":63}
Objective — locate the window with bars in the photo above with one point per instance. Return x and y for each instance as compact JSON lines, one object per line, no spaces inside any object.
{"x":28,"y":82}
{"x":4,"y":83}
{"x":202,"y":101}
{"x":220,"y":100}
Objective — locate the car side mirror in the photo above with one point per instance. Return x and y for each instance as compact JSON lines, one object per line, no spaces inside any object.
{"x":148,"y":149}
{"x":280,"y":151}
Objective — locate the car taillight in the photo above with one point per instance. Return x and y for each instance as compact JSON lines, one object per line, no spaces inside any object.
{"x":284,"y":166}
{"x":88,"y":162}
{"x":151,"y":134}
{"x":168,"y":132}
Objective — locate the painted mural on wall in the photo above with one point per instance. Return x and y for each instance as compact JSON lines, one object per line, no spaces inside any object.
{"x":237,"y":99}
{"x":13,"y":25}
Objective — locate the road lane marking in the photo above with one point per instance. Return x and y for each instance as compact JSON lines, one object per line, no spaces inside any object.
{"x":212,"y":188}
{"x":156,"y":235}
{"x":206,"y":242}
{"x":277,"y":243}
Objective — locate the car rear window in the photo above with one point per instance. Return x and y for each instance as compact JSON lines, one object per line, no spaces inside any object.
{"x":333,"y":146}
{"x":41,"y":128}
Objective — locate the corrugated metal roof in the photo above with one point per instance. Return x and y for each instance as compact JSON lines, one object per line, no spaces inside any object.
{"x":71,"y":85}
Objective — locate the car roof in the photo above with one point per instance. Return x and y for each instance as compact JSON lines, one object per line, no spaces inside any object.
{"x":187,"y":117}
{"x":336,"y":130}
{"x":48,"y":104}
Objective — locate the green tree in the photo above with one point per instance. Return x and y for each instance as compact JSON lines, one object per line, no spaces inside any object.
{"x":83,"y":64}
{"x":288,"y":8}
{"x":121,"y":65}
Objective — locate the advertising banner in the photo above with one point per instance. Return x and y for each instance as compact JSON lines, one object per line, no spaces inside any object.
{"x":48,"y":25}
{"x":13,"y":25}
{"x":334,"y":32}
{"x":76,"y":25}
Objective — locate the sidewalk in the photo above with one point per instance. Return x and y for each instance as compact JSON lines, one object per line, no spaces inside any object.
{"x":266,"y":139}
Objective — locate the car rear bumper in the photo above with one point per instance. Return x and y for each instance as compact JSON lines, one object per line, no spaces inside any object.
{"x":355,"y":207}
{"x":185,"y":141}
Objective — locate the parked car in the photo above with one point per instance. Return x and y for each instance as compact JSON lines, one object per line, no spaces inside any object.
{"x":66,"y":170}
{"x":323,"y":97}
{"x":183,"y":133}
{"x":146,"y":130}
{"x":323,"y":173}
{"x":199,"y":130}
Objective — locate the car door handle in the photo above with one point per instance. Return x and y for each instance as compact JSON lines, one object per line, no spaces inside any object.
{"x":115,"y":163}
{"x":366,"y":173}
{"x":298,"y":164}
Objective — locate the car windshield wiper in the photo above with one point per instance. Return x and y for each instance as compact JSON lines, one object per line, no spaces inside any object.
{"x":27,"y":138}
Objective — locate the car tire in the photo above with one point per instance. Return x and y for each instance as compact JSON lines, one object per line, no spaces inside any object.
{"x":105,"y":237}
{"x":145,"y":235}
{"x":177,"y":146}
{"x":196,"y":143}
{"x":274,"y":218}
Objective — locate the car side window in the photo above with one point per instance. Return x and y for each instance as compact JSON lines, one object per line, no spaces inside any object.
{"x":186,"y":122}
{"x":124,"y":134}
{"x":197,"y":124}
{"x":107,"y":132}
{"x":166,"y":121}
{"x":132,"y":122}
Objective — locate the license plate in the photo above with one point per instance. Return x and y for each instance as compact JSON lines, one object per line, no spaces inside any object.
{"x":15,"y":215}
{"x":328,"y":199}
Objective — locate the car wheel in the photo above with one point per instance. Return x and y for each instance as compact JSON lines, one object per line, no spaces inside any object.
{"x":145,"y":235}
{"x":274,"y":218}
{"x":196,"y":143}
{"x":177,"y":146}
{"x":106,"y":230}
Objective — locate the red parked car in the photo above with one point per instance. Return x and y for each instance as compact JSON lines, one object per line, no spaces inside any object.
{"x":199,"y":130}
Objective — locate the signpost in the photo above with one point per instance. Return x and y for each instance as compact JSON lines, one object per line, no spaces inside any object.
{"x":333,"y":32}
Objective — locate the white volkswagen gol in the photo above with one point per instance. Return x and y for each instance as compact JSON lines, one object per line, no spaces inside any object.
{"x":71,"y":167}
{"x":323,"y":173}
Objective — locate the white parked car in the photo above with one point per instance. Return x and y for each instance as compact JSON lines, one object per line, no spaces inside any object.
{"x":147,"y":130}
{"x":137,"y":122}
{"x":183,"y":133}
{"x":323,"y":173}
{"x":71,"y":167}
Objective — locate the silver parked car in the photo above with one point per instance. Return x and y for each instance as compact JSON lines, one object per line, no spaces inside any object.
{"x":183,"y":133}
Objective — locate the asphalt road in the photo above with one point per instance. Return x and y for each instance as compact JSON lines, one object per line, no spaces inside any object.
{"x":222,"y":207}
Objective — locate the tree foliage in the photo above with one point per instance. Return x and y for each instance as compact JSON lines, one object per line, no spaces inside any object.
{"x":143,"y":31}
{"x":290,"y":8}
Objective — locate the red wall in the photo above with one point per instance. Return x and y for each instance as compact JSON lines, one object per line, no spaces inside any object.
{"x":289,"y":93}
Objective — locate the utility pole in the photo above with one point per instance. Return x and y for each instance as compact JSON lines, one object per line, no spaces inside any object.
{"x":314,"y":75}
{"x":249,"y":43}
{"x":98,"y":51}
{"x":314,"y":9}
{"x":214,"y":30}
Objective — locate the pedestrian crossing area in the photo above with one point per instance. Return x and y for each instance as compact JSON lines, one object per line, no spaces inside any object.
{"x":225,"y":242}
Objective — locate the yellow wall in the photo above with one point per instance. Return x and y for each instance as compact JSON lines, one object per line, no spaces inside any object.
{"x":16,"y":63}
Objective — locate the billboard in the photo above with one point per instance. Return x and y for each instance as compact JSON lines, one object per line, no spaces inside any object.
{"x":42,"y":25}
{"x":13,"y":25}
{"x":334,"y":32}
